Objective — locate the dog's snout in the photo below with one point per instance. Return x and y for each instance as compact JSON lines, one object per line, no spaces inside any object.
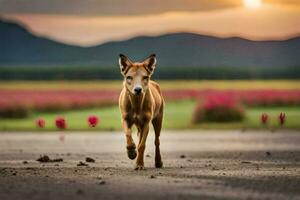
{"x":137,"y":90}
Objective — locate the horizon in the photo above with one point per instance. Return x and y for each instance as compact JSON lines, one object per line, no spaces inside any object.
{"x":92,"y":22}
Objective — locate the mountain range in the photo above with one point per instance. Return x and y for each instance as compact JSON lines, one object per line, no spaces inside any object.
{"x":20,"y":47}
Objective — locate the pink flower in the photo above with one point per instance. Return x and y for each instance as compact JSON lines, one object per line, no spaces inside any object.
{"x":282,"y":118}
{"x":93,"y":120}
{"x":264,"y":118}
{"x":60,"y":123}
{"x":40,"y":123}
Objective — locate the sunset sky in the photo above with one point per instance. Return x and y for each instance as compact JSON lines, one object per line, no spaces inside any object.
{"x":90,"y":22}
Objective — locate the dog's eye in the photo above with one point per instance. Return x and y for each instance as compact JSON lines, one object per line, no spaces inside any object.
{"x":145,"y":77}
{"x":129,"y":78}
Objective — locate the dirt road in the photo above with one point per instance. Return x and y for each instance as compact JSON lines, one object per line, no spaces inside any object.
{"x":207,"y":165}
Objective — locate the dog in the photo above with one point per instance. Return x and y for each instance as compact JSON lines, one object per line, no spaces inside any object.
{"x":141,"y":103}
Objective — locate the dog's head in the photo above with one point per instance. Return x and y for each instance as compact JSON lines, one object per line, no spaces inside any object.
{"x":137,"y":74}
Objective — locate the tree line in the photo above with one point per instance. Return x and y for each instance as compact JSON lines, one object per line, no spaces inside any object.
{"x":165,"y":73}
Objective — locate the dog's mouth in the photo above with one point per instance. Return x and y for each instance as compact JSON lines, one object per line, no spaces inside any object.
{"x":137,"y":91}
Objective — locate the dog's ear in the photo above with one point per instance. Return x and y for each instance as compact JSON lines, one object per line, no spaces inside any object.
{"x":124,"y":63}
{"x":150,"y":63}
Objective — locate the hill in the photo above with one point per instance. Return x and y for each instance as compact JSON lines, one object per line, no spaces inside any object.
{"x":20,"y":47}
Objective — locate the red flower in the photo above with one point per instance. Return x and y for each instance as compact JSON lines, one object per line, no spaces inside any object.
{"x":60,"y":123}
{"x":264,"y":118}
{"x":93,"y":120}
{"x":281,"y":118}
{"x":40,"y":123}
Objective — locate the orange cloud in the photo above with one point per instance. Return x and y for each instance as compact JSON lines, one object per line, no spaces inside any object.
{"x":111,"y":7}
{"x":284,"y":2}
{"x":268,"y":22}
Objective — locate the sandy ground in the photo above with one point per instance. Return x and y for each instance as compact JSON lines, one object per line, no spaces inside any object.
{"x":207,"y":165}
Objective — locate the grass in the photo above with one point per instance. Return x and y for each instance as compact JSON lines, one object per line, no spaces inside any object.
{"x":178,"y":84}
{"x":177,"y":116}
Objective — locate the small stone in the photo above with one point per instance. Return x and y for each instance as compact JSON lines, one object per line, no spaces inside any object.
{"x":82,"y":164}
{"x":245,"y":162}
{"x":89,"y":159}
{"x":182,"y":156}
{"x":44,"y":158}
{"x":101,"y":182}
{"x":25,"y":162}
{"x":152,"y":176}
{"x":80,"y":192}
{"x":57,"y":160}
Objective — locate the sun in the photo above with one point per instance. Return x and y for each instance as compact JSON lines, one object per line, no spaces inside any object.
{"x":252,"y":3}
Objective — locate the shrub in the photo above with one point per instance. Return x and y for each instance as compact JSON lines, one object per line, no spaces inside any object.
{"x":93,"y":120}
{"x":218,"y":109}
{"x":60,"y":123}
{"x":264,"y":118}
{"x":40,"y":123}
{"x":282,"y":118}
{"x":14,"y":111}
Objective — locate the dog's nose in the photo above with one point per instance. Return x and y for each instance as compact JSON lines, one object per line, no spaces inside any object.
{"x":137,"y":90}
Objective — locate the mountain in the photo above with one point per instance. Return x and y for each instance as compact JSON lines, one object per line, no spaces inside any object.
{"x":18,"y":46}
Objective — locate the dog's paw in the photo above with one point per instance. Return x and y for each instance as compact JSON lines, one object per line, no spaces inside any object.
{"x":131,"y":152}
{"x":139,"y":167}
{"x":159,"y":164}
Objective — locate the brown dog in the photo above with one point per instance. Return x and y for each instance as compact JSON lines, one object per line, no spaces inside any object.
{"x":140,"y":103}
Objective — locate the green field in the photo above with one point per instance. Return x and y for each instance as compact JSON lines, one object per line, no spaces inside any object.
{"x":177,"y":116}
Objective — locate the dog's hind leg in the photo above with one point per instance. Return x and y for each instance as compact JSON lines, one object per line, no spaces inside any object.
{"x":157,"y":124}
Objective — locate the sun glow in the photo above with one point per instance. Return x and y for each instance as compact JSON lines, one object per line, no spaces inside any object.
{"x":252,"y":3}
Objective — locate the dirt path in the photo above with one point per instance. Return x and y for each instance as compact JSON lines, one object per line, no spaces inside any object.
{"x":210,"y":165}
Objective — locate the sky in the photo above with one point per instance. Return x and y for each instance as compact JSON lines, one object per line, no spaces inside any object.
{"x":92,"y":22}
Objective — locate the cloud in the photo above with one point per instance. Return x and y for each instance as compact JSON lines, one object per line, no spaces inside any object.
{"x":283,"y":2}
{"x":270,"y":22}
{"x":111,"y":7}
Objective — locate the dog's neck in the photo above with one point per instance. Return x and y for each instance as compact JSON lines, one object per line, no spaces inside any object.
{"x":137,"y":100}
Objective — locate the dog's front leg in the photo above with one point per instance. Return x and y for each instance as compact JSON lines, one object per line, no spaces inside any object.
{"x":141,"y":147}
{"x":131,"y":152}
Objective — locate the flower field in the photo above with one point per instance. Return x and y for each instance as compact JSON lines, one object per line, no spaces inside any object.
{"x":48,"y":100}
{"x":55,"y":99}
{"x":22,"y":103}
{"x":258,"y":97}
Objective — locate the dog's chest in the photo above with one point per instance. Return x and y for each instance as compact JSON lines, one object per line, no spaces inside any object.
{"x":138,"y":118}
